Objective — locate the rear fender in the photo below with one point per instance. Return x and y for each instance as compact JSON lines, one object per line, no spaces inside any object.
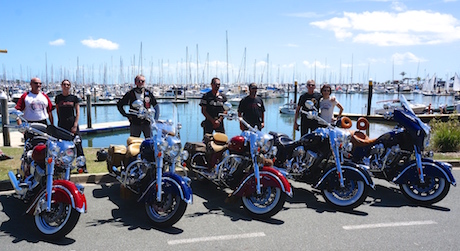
{"x":172,"y":183}
{"x":349,"y":171}
{"x":430,"y":168}
{"x":269,"y":177}
{"x":66,"y":192}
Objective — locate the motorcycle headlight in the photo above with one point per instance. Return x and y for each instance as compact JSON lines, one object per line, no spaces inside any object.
{"x":81,"y":161}
{"x":163,"y":146}
{"x":265,"y":143}
{"x":53,"y":149}
{"x":68,"y":155}
{"x":175,"y":149}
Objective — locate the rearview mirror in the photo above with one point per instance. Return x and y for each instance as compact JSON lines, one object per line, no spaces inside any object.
{"x":310,"y":105}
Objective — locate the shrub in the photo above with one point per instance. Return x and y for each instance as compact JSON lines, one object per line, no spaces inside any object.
{"x":445,"y":136}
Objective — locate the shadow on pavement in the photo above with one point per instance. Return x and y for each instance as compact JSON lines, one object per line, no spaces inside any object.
{"x":218,"y":202}
{"x":21,"y":226}
{"x":129,"y":213}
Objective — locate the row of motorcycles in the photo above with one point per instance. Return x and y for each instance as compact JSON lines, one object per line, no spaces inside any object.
{"x":253,"y":167}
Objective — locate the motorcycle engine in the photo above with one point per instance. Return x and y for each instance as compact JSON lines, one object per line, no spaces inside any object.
{"x":232,"y":170}
{"x":301,"y":161}
{"x":382,"y":157}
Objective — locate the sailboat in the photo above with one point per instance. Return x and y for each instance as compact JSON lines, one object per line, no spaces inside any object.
{"x":456,"y":87}
{"x":428,"y":86}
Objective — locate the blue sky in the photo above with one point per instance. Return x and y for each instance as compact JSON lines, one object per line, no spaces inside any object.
{"x":333,"y":41}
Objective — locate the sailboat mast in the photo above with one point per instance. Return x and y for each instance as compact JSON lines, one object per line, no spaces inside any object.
{"x":226,"y":38}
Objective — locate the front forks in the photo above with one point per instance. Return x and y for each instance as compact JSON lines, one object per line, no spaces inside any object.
{"x":49,"y":182}
{"x":418,"y":161}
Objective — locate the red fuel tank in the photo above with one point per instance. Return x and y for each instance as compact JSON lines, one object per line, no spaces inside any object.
{"x":236,"y":144}
{"x":39,"y":153}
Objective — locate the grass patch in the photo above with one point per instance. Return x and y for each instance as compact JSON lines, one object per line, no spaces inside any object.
{"x":92,"y":164}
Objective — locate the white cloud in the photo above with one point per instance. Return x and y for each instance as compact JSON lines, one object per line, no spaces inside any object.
{"x":394,"y":29}
{"x":398,"y":6}
{"x":100,"y":43}
{"x":314,"y":64}
{"x":57,"y":42}
{"x":401,"y":58}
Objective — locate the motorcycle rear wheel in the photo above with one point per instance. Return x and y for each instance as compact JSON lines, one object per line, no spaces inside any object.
{"x":265,"y":205}
{"x":351,"y":196}
{"x":58,"y":222}
{"x":166,"y":212}
{"x":433,"y":190}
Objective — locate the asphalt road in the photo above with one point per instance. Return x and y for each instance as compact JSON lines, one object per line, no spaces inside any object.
{"x":386,"y":221}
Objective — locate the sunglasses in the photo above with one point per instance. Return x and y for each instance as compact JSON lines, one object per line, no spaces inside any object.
{"x":141,"y":81}
{"x":310,"y":85}
{"x":65,"y":84}
{"x":37,"y":83}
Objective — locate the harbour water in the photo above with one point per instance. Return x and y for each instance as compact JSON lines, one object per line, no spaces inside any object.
{"x":190,"y":117}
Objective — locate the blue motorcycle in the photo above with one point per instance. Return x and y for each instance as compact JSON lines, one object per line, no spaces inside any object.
{"x":147,"y":167}
{"x":398,"y":157}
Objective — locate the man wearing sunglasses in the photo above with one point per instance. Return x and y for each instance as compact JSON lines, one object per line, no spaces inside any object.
{"x":212,"y":103}
{"x":305,"y":123}
{"x":137,"y":125}
{"x":251,"y":109}
{"x":35,"y":104}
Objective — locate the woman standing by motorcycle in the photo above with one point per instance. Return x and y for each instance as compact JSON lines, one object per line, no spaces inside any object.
{"x":68,"y":112}
{"x":328,"y":103}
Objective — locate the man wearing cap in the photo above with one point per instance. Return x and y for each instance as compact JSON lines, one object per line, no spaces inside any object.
{"x":212,"y":103}
{"x":252,"y":109}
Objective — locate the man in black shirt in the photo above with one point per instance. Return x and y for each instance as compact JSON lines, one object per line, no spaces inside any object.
{"x":212,"y":103}
{"x":138,"y":93}
{"x":305,"y":123}
{"x":252,"y":109}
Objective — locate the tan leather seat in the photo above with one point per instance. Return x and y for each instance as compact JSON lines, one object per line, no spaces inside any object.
{"x":132,"y":140}
{"x":359,"y":139}
{"x":133,"y":150}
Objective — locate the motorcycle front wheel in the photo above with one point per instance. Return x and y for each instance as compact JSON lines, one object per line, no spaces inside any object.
{"x":350,"y":196}
{"x":166,"y":212}
{"x":58,"y":222}
{"x":433,"y":190}
{"x":264,"y":205}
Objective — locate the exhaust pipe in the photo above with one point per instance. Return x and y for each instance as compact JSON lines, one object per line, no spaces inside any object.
{"x":15,"y":183}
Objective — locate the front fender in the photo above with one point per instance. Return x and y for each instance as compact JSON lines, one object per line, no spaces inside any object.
{"x":349,"y":171}
{"x":269,"y":177}
{"x":66,"y":192}
{"x":172,"y":183}
{"x":430,"y":168}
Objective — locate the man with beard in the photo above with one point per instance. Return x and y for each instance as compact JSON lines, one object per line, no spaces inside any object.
{"x":252,"y":109}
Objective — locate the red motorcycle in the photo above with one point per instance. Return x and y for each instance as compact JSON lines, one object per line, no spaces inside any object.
{"x":43,"y":179}
{"x":239,"y":164}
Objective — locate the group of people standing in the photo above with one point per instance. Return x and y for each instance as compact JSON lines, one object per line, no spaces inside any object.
{"x":251,"y":108}
{"x":37,"y":108}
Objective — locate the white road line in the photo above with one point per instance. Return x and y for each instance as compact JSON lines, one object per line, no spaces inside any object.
{"x":391,"y":224}
{"x":216,"y":238}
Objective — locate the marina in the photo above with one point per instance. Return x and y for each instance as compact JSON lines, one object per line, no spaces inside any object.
{"x":109,"y":127}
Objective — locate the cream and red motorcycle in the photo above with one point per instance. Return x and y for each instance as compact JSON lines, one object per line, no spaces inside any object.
{"x":238,"y":164}
{"x":43,"y":181}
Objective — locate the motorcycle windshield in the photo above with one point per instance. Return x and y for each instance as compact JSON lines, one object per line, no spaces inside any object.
{"x":164,"y":119}
{"x":411,"y":113}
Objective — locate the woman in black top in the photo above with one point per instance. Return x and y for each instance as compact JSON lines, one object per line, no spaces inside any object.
{"x":68,"y":112}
